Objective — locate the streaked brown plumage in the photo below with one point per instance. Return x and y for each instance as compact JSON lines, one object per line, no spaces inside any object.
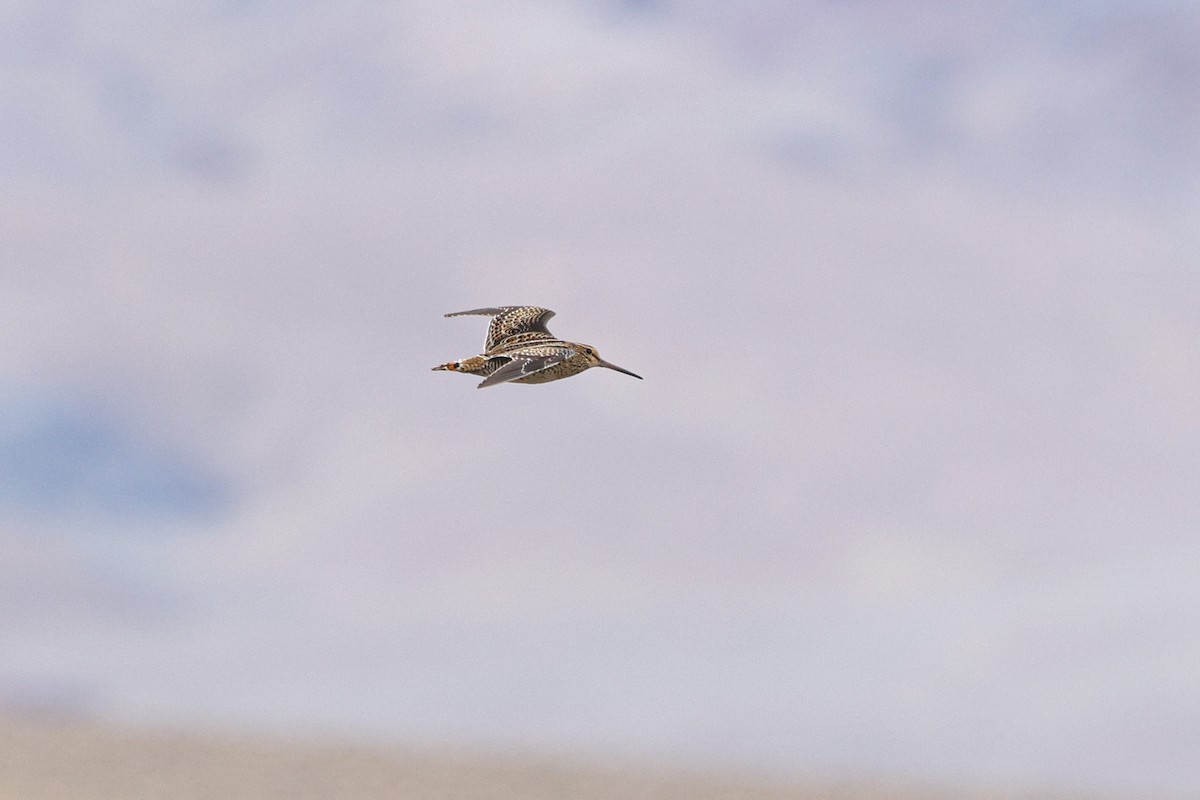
{"x":520,"y":349}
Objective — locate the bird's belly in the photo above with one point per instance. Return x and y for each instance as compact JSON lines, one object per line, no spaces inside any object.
{"x":557,"y":372}
{"x":544,"y":376}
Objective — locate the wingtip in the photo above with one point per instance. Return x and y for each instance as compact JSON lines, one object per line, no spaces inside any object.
{"x":479,"y":312}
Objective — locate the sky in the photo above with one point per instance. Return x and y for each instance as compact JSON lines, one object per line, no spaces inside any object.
{"x":909,"y":488}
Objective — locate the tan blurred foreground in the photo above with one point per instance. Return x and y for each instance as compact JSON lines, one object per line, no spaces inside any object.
{"x":39,"y":761}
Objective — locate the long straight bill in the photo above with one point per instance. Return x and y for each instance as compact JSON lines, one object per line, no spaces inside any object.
{"x":620,"y":369}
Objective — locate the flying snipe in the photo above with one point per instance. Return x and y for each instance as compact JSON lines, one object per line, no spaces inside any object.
{"x":520,"y":349}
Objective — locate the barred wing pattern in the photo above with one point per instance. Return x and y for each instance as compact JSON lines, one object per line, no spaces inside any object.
{"x":529,"y":322}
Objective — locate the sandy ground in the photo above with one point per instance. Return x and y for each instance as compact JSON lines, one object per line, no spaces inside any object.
{"x":39,"y":761}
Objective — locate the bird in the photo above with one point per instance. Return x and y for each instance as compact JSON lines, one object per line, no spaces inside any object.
{"x":520,"y":349}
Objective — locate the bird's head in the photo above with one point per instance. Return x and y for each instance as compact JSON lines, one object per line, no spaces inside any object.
{"x":594,"y":360}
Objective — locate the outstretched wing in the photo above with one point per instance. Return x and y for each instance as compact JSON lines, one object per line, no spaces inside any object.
{"x":510,"y":321}
{"x":524,"y":365}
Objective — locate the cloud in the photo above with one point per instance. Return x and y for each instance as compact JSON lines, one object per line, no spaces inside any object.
{"x":915,"y":434}
{"x":1047,"y":98}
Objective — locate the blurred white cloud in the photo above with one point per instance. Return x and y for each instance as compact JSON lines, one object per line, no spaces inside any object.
{"x":909,"y":486}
